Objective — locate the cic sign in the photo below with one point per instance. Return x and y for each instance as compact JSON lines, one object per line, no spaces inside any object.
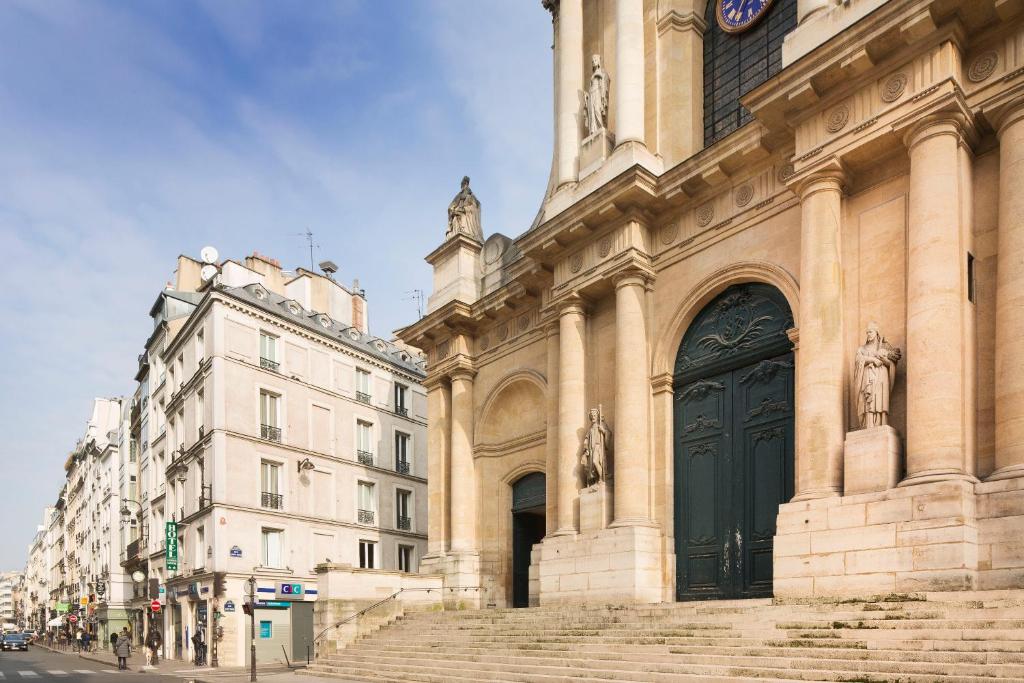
{"x":290,"y":591}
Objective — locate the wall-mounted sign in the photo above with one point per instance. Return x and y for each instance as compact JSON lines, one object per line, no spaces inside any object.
{"x":62,"y":607}
{"x":193,"y":589}
{"x":266,"y":629}
{"x":273,"y":604}
{"x":83,"y":601}
{"x":236,"y":551}
{"x":171,"y":544}
{"x":229,"y":606}
{"x":290,"y":591}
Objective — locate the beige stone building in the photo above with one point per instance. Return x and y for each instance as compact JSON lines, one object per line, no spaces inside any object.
{"x":739,"y":192}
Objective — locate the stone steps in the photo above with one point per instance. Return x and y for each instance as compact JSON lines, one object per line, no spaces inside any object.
{"x":977,"y":639}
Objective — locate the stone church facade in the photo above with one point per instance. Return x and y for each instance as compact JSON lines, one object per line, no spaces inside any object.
{"x":739,"y":193}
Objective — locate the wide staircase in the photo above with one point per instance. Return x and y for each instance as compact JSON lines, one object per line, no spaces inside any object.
{"x":961,"y":638}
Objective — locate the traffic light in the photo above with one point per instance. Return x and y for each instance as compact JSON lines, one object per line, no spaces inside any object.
{"x":220,"y":584}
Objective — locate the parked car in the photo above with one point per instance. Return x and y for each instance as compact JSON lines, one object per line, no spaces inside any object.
{"x":14,"y":641}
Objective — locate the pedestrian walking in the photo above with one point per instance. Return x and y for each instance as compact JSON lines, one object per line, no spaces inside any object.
{"x":153,"y":641}
{"x":78,"y":640}
{"x":113,"y":640}
{"x":85,"y":640}
{"x":123,"y":649}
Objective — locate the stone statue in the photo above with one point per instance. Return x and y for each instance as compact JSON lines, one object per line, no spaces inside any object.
{"x":596,"y":450}
{"x":464,"y":214}
{"x":595,"y":99}
{"x":874,"y":371}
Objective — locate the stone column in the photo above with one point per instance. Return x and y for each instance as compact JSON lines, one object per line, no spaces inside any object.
{"x":1009,"y":388}
{"x":551,"y":445}
{"x":463,"y":501}
{"x":936,"y":296}
{"x":572,"y":408}
{"x":631,"y":439}
{"x":629,"y":71}
{"x":821,"y":425}
{"x":439,"y":397}
{"x":569,"y":45}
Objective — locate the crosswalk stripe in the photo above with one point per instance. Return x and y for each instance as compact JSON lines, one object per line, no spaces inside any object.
{"x":28,"y":674}
{"x":84,"y":671}
{"x":111,"y":671}
{"x":57,"y":672}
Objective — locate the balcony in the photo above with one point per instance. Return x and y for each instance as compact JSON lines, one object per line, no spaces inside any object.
{"x":402,"y":466}
{"x":270,"y":433}
{"x":363,"y":397}
{"x":366,"y":516}
{"x":364,"y":457}
{"x":206,"y":498}
{"x":268,"y":364}
{"x":402,"y":410}
{"x":272,"y":501}
{"x":404,"y":524}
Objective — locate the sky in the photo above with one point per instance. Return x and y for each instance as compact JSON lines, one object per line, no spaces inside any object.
{"x":131,"y":132}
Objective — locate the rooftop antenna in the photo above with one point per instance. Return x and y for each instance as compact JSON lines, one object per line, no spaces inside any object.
{"x":417,"y":296}
{"x":309,"y":238}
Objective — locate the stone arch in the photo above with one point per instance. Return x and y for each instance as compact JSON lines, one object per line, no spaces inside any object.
{"x":666,"y":346}
{"x":515,"y":408}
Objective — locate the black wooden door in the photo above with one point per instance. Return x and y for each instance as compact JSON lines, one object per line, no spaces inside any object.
{"x":734,"y":437}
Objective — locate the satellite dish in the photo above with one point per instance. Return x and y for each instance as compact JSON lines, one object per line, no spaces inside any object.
{"x":208,"y":272}
{"x":209,"y":255}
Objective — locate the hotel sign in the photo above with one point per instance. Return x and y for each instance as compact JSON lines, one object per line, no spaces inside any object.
{"x":171,"y":538}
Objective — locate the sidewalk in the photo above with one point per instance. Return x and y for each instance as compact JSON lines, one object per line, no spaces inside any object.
{"x":183,"y":668}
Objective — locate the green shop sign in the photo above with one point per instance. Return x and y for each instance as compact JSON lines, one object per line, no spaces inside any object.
{"x":172,"y":546}
{"x":62,"y":607}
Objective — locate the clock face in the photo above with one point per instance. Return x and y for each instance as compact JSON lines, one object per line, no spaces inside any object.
{"x":735,"y":16}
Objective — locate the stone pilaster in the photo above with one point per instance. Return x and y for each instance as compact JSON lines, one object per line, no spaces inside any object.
{"x":632,"y":398}
{"x":569,"y":48}
{"x":629,"y":71}
{"x":551,"y":478}
{"x":936,"y":295}
{"x":463,"y":503}
{"x":571,"y":407}
{"x":1009,"y":385}
{"x":439,"y":401}
{"x":820,"y":398}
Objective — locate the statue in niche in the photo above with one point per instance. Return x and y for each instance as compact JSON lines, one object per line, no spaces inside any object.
{"x":874,"y":372}
{"x":464,"y":214}
{"x":595,"y":99}
{"x":596,"y":450}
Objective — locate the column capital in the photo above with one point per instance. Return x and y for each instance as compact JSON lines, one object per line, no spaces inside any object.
{"x":828,"y":177}
{"x":572,"y":305}
{"x":633,"y":277}
{"x":1007,"y":116}
{"x":952,"y":122}
{"x":462,"y":372}
{"x":434,"y":381}
{"x":662,"y":383}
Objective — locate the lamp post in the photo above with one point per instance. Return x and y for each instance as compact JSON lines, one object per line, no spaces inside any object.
{"x":252,"y":628}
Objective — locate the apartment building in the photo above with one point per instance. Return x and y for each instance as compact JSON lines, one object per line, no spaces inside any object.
{"x":273,"y":433}
{"x":37,"y":568}
{"x":9,"y":584}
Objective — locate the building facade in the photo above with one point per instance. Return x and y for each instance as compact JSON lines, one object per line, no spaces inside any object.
{"x":273,"y":433}
{"x":10,"y":587}
{"x":765,"y":336}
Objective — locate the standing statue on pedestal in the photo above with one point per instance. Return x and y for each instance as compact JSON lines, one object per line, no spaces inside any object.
{"x":595,"y":99}
{"x":464,"y":214}
{"x":596,"y":450}
{"x":874,"y":372}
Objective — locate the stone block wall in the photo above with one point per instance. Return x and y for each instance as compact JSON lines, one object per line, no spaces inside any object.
{"x":1001,"y":534}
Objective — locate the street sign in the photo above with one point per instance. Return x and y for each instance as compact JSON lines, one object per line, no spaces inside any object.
{"x":73,"y":619}
{"x":155,"y":605}
{"x":171,"y":538}
{"x":83,"y":601}
{"x":236,"y":551}
{"x":229,"y":606}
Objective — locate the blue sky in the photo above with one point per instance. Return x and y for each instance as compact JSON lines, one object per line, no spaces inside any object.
{"x":131,"y":132}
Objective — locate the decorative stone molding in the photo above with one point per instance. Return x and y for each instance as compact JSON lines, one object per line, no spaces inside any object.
{"x":485,"y":342}
{"x":524,"y":323}
{"x":444,"y":349}
{"x":576,"y":262}
{"x":837,"y":119}
{"x":705,"y":214}
{"x":894,"y":87}
{"x":503,"y":332}
{"x":983,"y":66}
{"x":744,"y":193}
{"x":669,"y":233}
{"x":784,"y":173}
{"x":605,"y":246}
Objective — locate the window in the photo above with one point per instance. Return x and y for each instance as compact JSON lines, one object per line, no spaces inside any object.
{"x":405,"y":558}
{"x":181,"y":429}
{"x":403,"y":516}
{"x":367,"y":503}
{"x":971,"y":288}
{"x":364,"y":442}
{"x":271,"y":546}
{"x":363,"y":386}
{"x":401,"y":453}
{"x":269,"y":417}
{"x":181,"y":369}
{"x":200,"y":414}
{"x":400,"y":406}
{"x":200,"y":555}
{"x":367,"y":553}
{"x":268,"y":352}
{"x":200,"y":348}
{"x":270,"y":482}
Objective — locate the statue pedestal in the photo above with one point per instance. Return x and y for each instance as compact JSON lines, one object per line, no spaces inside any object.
{"x":594,"y":149}
{"x":595,"y":507}
{"x":871,"y":460}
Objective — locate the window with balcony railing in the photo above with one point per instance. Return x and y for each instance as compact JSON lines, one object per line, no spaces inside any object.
{"x":366,"y":516}
{"x":404,"y":523}
{"x":402,"y":466}
{"x":364,"y":457}
{"x":268,"y":364}
{"x":270,"y":433}
{"x":272,"y":501}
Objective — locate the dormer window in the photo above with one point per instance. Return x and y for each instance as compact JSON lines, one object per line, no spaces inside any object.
{"x":324,"y":320}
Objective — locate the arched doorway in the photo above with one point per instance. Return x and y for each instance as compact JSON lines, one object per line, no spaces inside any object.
{"x":733,"y":442}
{"x":528,"y":499}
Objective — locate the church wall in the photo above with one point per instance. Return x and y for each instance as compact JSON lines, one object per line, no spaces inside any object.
{"x":986,"y":190}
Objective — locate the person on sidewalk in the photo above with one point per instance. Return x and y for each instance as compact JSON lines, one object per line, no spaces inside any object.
{"x":123,"y":649}
{"x":113,"y":640}
{"x":78,"y":640}
{"x":85,"y":641}
{"x":153,"y":641}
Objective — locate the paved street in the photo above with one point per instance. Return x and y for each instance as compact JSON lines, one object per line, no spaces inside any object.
{"x":38,"y":664}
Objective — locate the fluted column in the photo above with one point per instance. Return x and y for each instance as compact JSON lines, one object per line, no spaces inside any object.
{"x":936,"y":296}
{"x":569,"y":45}
{"x":572,"y":408}
{"x":632,"y":399}
{"x":463,"y":502}
{"x":439,"y":397}
{"x":629,"y":71}
{"x":551,"y":445}
{"x":1009,"y":385}
{"x":821,"y":426}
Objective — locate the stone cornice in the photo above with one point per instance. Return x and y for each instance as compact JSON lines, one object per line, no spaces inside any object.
{"x":521,"y":443}
{"x":679,"y":21}
{"x":451,"y":244}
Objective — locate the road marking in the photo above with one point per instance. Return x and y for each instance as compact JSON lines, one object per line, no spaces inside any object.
{"x":57,"y":672}
{"x":28,"y":674}
{"x":84,"y":671}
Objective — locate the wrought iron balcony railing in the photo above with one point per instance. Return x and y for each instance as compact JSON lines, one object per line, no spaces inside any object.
{"x":268,"y":364}
{"x":274,"y":501}
{"x":402,"y":410}
{"x":206,"y":498}
{"x":364,"y":457}
{"x":402,"y":466}
{"x":404,"y":523}
{"x":362,"y":397}
{"x":270,"y":433}
{"x":366,"y":516}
